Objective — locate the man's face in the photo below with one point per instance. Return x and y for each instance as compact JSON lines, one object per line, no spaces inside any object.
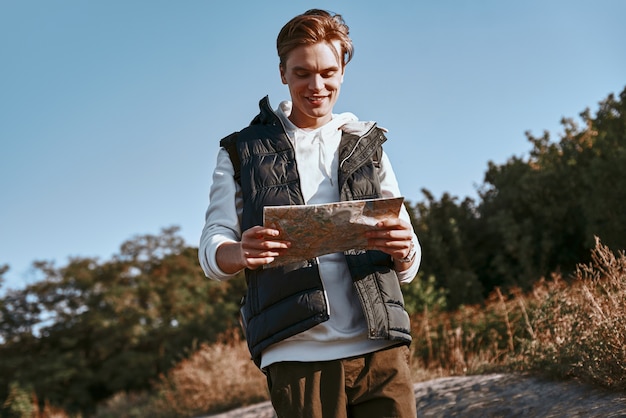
{"x":314,"y":74}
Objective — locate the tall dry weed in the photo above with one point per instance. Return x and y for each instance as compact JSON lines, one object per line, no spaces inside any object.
{"x":469,"y":340}
{"x":580,"y":328}
{"x":572,"y":328}
{"x":216,"y":378}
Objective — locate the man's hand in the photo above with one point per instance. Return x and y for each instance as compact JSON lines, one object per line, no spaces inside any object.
{"x":258,"y":246}
{"x":393,"y":237}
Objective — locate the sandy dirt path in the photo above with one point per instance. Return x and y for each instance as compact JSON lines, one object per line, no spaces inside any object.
{"x":495,"y":395}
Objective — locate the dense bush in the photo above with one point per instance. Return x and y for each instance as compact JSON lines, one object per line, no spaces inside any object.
{"x":579,"y":328}
{"x":536,"y":215}
{"x":92,"y":329}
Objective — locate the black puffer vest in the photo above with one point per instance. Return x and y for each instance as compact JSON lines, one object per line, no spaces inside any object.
{"x":287,"y":300}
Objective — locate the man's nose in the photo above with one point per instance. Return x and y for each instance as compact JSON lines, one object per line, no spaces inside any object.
{"x":317,"y":82}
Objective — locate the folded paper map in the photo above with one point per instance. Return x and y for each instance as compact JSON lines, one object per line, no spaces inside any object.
{"x":315,"y":230}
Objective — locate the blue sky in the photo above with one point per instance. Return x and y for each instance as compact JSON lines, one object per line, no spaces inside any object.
{"x":111,"y":111}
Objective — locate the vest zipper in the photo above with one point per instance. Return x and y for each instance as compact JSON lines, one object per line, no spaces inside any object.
{"x":357,"y":144}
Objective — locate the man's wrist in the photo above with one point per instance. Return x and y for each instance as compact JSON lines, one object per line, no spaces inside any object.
{"x":409,"y":257}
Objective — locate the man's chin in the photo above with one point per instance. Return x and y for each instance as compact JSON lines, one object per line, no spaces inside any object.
{"x":320,"y":111}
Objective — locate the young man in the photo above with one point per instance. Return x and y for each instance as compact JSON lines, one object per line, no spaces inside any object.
{"x":330,"y":333}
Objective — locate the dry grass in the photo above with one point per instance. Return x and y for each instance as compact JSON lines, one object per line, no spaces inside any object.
{"x":567,"y":329}
{"x":580,"y":328}
{"x":562,"y":328}
{"x":218,"y":377}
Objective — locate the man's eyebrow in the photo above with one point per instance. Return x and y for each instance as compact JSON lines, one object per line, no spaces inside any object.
{"x":299,"y":68}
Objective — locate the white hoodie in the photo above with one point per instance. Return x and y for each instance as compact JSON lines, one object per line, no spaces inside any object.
{"x":345,"y":333}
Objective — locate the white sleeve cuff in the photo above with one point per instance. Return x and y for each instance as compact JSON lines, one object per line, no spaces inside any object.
{"x":409,"y":274}
{"x":208,"y":259}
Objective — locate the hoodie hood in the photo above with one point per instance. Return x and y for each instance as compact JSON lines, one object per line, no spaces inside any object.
{"x":338,"y":120}
{"x":316,"y":149}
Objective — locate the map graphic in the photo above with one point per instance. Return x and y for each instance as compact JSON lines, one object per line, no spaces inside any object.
{"x":315,"y":230}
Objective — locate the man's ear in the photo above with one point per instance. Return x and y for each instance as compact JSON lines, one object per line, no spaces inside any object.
{"x":282,"y":73}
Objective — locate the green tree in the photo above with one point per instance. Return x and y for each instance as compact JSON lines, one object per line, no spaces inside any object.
{"x":604,"y":178}
{"x":18,"y":403}
{"x":545,"y":211}
{"x":91,"y":329}
{"x":445,"y":232}
{"x":535,"y":215}
{"x":3,"y":269}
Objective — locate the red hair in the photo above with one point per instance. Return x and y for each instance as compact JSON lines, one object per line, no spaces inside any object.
{"x":312,"y":27}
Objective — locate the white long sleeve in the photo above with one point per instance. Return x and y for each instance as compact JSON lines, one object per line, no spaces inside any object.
{"x":389,"y":187}
{"x":223,"y":216}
